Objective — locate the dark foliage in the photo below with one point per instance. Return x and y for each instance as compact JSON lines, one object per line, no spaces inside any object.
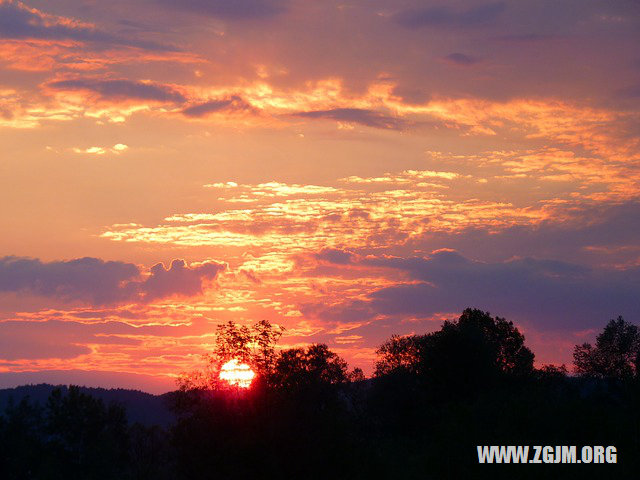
{"x":72,"y":436}
{"x":298,"y":368}
{"x":616,"y":354}
{"x":476,"y":352}
{"x":141,"y":407}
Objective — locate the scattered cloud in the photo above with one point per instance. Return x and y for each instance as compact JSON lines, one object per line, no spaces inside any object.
{"x":461,"y":59}
{"x":116,"y":149}
{"x":334,"y":255}
{"x":234,"y":103}
{"x":368,"y":118}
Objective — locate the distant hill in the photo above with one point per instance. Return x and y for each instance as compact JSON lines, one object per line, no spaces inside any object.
{"x":142,"y":407}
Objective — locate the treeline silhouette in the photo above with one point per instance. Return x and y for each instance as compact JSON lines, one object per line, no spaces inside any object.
{"x":432,"y":400}
{"x":141,"y":407}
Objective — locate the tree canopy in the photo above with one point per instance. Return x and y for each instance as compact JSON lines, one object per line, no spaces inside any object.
{"x":254,"y":345}
{"x":300,"y":367}
{"x":464,"y":355}
{"x":400,"y":354}
{"x":616,"y":353}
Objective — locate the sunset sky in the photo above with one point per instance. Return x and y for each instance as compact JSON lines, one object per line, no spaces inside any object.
{"x":345,"y":169}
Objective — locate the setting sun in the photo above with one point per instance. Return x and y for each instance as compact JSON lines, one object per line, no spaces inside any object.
{"x":237,"y":374}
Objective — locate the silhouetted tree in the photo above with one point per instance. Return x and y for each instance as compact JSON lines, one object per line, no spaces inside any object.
{"x":150,"y":453}
{"x":232,"y":341}
{"x":463,"y":356}
{"x":22,"y":442}
{"x":264,"y":338}
{"x":86,"y":438}
{"x":616,"y":353}
{"x":299,"y":367}
{"x":475,"y":352}
{"x":253,"y":345}
{"x":356,"y":375}
{"x":552,"y":372}
{"x":400,"y":354}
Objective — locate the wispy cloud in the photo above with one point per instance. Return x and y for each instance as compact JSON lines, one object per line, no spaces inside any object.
{"x":368,"y":118}
{"x":18,"y":21}
{"x":233,"y":103}
{"x":117,"y":149}
{"x":119,"y":89}
{"x":461,"y":59}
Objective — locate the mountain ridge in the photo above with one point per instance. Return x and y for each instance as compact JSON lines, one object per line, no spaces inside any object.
{"x":142,"y":407}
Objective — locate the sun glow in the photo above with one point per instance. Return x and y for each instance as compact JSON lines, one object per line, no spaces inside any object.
{"x":237,"y":374}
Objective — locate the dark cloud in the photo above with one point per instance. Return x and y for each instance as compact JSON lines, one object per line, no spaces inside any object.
{"x":333,"y":255}
{"x":19,"y":21}
{"x":234,"y":103}
{"x":549,"y":295}
{"x":178,"y":279}
{"x":359,"y":213}
{"x":84,"y":279}
{"x":230,"y":9}
{"x":369,"y":118}
{"x":120,"y":89}
{"x":461,"y":59}
{"x":601,"y":235}
{"x":251,"y":276}
{"x":443,"y":16}
{"x":94,"y":281}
